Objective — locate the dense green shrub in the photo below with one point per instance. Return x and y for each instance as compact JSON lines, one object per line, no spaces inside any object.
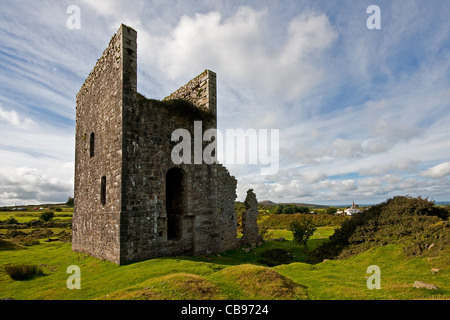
{"x":275,"y":257}
{"x":23,"y":271}
{"x":415,"y":223}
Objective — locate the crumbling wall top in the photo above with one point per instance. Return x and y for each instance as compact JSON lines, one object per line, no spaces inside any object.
{"x":200,"y":91}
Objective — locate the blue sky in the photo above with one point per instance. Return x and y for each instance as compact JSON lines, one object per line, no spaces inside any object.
{"x":363,"y":114}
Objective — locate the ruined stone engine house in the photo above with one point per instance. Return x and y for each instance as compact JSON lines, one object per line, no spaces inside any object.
{"x":131,"y":201}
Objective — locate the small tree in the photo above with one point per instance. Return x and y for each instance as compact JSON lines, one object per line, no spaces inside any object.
{"x":331,"y":210}
{"x":302,"y":230}
{"x":11,"y":220}
{"x":69,"y":202}
{"x":46,"y":216}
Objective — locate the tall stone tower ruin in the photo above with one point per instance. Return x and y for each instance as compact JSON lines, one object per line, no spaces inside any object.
{"x":131,"y":201}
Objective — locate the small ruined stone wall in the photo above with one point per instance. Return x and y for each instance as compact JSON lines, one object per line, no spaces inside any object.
{"x":226,"y":196}
{"x":250,"y":232}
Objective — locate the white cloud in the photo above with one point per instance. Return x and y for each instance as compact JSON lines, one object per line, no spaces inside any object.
{"x":438,"y":171}
{"x":236,"y":48}
{"x":373,"y":103}
{"x":25,"y":185}
{"x":346,"y":148}
{"x":403,"y":164}
{"x":313,"y":176}
{"x":13,"y":118}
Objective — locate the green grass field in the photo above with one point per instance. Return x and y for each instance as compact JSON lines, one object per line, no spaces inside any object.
{"x":235,"y":274}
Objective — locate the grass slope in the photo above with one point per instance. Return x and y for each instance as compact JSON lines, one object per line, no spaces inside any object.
{"x":347,"y":279}
{"x":224,"y":277}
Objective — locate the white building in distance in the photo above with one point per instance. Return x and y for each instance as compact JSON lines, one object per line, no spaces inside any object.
{"x":351,"y":211}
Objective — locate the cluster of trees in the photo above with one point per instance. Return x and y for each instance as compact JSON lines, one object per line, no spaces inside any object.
{"x":285,"y":209}
{"x":292,"y":209}
{"x":288,"y":209}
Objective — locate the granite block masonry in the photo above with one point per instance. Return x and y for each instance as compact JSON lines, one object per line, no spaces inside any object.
{"x":131,"y":201}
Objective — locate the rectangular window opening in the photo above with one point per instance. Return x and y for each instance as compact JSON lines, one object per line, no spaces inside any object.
{"x":103,"y":191}
{"x":92,"y":145}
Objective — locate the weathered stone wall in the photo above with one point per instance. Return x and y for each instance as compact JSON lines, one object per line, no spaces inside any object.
{"x":147,"y":160}
{"x":100,"y":104}
{"x":226,"y":196}
{"x":210,"y":190}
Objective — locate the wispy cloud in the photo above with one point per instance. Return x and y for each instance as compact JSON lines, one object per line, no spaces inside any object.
{"x":363,"y":114}
{"x":439,"y":171}
{"x":12,"y":118}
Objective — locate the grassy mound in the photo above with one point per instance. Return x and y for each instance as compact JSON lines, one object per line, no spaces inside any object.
{"x":178,"y":286}
{"x":415,"y":223}
{"x":245,"y":281}
{"x":252,"y":282}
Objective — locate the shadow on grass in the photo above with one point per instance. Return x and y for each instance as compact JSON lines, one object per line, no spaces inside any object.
{"x":248,"y":255}
{"x":6,"y":245}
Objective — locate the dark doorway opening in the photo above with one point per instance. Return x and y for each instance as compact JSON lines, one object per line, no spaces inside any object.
{"x":175,"y":202}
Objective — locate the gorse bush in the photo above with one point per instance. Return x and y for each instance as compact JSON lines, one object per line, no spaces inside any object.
{"x":23,"y":271}
{"x":415,"y":223}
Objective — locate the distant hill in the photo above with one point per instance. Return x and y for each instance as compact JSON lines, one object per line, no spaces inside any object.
{"x":267,"y":203}
{"x":309,"y":205}
{"x":271,"y":203}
